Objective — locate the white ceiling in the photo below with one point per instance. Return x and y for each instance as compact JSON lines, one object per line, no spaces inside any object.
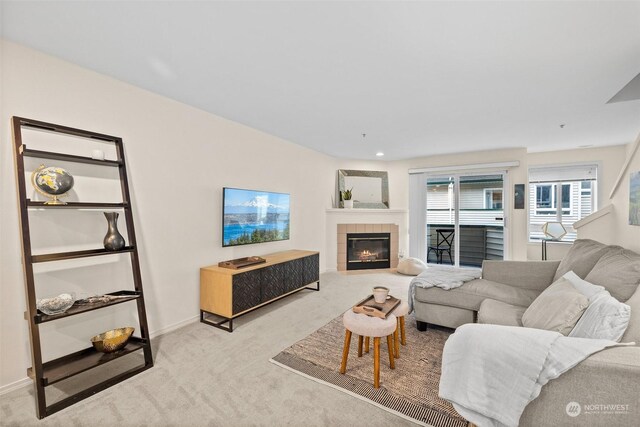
{"x":418,"y":78}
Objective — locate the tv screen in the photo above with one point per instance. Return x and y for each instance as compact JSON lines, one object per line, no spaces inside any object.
{"x":251,"y":216}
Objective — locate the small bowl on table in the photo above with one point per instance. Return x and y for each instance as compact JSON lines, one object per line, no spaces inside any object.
{"x":113,"y":340}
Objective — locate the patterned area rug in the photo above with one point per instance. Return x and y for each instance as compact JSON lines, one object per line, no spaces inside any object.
{"x":409,"y":390}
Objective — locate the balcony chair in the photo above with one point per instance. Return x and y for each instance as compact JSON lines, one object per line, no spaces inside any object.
{"x":444,"y":241}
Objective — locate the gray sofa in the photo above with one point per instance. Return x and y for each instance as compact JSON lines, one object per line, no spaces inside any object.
{"x":507,"y":288}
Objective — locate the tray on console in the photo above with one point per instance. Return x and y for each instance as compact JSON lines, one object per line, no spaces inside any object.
{"x":370,"y":307}
{"x":241,"y":262}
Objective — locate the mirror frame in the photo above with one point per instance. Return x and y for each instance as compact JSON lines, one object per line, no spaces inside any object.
{"x":383,"y":204}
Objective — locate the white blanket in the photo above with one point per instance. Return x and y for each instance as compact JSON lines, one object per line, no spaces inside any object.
{"x":491,"y":372}
{"x":441,"y":277}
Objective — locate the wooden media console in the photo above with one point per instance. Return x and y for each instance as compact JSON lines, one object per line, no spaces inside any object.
{"x":229,"y":293}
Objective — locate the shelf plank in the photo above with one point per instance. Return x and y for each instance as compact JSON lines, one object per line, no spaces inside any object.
{"x":74,"y":398}
{"x":78,"y":309}
{"x":75,"y":363}
{"x":78,"y":205}
{"x":68,"y":157}
{"x":77,"y":254}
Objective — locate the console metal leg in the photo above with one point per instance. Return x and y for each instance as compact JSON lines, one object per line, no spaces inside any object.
{"x":219,"y":324}
{"x":317,"y":288}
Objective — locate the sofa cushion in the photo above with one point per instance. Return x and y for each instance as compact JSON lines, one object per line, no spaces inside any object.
{"x":618,"y":271}
{"x":557,"y":309}
{"x":471,"y":294}
{"x":500,"y":313}
{"x":632,"y":334}
{"x":582,"y":256}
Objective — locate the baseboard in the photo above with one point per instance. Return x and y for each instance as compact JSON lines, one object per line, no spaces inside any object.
{"x":175,"y":326}
{"x":15,"y":385}
{"x":27,"y":381}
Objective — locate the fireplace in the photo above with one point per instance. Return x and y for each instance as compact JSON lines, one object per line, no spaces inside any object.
{"x":368,"y":251}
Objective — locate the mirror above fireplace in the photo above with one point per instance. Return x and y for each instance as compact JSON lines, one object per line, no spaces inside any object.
{"x":370,"y":188}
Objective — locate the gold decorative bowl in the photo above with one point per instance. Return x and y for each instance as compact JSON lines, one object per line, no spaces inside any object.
{"x":113,"y":340}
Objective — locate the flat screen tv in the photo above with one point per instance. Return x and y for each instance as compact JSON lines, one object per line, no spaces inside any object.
{"x":250,"y":216}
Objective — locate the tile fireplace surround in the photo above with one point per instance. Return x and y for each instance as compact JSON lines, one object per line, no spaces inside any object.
{"x":344,"y":229}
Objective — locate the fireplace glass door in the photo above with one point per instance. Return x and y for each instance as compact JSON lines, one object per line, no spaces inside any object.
{"x":368,"y":251}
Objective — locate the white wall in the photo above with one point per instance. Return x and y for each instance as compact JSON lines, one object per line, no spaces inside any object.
{"x":179,"y":158}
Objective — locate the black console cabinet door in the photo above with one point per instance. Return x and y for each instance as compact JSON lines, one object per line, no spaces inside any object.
{"x":295,"y":274}
{"x":273,"y":282}
{"x":311,"y":269}
{"x":246,"y":290}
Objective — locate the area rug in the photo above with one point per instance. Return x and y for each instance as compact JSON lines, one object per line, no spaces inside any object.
{"x":410,"y":390}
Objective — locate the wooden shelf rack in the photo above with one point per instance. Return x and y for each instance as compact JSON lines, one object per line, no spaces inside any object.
{"x":47,"y":373}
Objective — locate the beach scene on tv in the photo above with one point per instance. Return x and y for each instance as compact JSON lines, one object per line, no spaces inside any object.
{"x":254,"y":217}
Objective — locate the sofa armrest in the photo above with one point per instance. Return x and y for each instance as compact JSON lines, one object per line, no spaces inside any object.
{"x":609,"y":377}
{"x":522,"y":274}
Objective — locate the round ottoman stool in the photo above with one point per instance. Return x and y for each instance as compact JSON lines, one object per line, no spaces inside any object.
{"x":367,"y":326}
{"x":400,"y":311}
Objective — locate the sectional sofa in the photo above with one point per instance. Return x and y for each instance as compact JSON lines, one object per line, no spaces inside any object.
{"x":605,"y":385}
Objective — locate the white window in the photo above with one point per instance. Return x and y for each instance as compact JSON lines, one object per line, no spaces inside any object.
{"x":561,"y":193}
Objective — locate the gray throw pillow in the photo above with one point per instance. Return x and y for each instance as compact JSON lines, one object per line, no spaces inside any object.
{"x":581,"y":258}
{"x":618,"y":271}
{"x":558,"y":308}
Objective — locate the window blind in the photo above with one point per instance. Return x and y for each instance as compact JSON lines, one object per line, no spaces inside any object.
{"x":563,"y":173}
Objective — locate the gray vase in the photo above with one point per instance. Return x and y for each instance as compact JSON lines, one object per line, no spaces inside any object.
{"x":113,"y":241}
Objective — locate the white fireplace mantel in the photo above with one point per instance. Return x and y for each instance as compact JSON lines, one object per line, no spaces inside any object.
{"x":363,"y":216}
{"x":356,"y":211}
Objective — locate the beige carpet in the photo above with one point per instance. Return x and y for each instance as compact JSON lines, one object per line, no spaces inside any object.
{"x":410,"y":390}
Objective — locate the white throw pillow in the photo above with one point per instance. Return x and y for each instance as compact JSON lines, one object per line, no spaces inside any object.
{"x":587,"y":289}
{"x":606,"y":318}
{"x":558,"y":308}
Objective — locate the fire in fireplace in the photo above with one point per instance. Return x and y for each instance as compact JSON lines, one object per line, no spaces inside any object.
{"x":368,"y":251}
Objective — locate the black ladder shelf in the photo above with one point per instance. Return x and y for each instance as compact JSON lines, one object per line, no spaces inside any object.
{"x":47,"y":373}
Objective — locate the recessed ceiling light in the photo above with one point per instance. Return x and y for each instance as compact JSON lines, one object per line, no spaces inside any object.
{"x":379,"y":154}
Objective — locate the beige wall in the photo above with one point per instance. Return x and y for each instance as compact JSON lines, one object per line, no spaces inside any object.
{"x":179,"y":159}
{"x":614,"y":228}
{"x":610,"y":159}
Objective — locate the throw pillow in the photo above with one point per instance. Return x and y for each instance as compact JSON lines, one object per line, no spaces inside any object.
{"x":605,"y":318}
{"x":557,"y":308}
{"x":581,"y":258}
{"x":633,"y":331}
{"x":618,"y":271}
{"x":587,"y":289}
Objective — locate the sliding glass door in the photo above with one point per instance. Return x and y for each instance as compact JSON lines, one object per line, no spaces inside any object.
{"x":463,"y":218}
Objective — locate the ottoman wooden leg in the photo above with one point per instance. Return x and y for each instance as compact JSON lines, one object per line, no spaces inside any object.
{"x":376,"y":362}
{"x":345,"y":351}
{"x":366,"y":344}
{"x":403,"y":339}
{"x":360,"y":338}
{"x":396,"y":345}
{"x":392,"y":363}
